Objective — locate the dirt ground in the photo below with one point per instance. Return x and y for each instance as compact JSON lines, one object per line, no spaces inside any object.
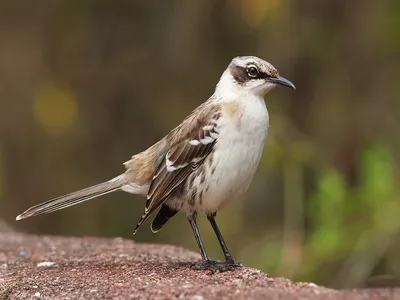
{"x":50,"y":267}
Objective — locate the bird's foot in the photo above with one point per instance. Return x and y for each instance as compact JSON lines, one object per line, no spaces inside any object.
{"x":216,"y":266}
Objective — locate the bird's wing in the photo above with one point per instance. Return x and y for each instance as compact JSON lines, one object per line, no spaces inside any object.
{"x":190,"y":143}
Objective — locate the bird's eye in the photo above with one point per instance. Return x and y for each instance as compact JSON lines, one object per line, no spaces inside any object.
{"x":252,"y":71}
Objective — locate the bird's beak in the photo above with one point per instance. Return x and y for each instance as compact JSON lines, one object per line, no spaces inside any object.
{"x":281,"y":81}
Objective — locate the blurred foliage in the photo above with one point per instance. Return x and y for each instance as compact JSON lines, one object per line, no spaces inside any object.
{"x":86,"y":84}
{"x":55,"y":107}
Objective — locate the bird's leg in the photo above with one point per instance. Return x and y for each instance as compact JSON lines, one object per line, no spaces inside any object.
{"x":192,"y":220}
{"x":228,"y":257}
{"x":206,"y":263}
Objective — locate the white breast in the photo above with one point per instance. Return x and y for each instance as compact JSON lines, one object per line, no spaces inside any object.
{"x":242,"y":132}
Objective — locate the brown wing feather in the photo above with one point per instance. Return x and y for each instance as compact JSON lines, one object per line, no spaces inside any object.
{"x":177,"y":163}
{"x":166,"y":180}
{"x":166,"y":183}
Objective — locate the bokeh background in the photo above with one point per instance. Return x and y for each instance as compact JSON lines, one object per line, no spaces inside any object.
{"x":86,"y":84}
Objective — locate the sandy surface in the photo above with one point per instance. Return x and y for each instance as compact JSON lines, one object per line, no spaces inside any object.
{"x":49,"y":267}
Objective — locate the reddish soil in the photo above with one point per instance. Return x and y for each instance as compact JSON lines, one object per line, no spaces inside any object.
{"x":50,"y":267}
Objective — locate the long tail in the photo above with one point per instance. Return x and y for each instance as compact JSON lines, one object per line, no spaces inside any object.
{"x":73,"y":198}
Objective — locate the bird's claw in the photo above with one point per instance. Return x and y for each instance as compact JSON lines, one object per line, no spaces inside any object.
{"x":216,"y":266}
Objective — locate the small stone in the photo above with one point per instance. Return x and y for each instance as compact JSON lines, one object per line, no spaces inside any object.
{"x":312,"y":285}
{"x":45,"y":264}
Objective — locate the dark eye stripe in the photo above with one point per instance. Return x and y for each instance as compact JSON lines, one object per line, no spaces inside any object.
{"x":241,"y":76}
{"x":262,"y":75}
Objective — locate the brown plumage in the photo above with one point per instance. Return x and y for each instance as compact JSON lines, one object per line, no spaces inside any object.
{"x":182,"y":157}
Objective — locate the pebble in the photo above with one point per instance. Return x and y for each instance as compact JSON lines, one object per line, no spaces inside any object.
{"x":45,"y":264}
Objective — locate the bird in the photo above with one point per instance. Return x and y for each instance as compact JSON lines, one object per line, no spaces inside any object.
{"x":203,"y":164}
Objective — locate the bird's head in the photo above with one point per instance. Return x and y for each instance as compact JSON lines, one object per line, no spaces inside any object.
{"x":250,"y":74}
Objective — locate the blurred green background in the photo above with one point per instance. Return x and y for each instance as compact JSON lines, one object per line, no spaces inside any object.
{"x":86,"y":84}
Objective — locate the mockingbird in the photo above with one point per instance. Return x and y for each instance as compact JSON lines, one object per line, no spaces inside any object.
{"x":202,"y":164}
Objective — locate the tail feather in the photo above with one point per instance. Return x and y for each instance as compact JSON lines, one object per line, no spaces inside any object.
{"x":73,"y":198}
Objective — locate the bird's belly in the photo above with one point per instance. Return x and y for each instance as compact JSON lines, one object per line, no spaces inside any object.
{"x":235,"y":161}
{"x":232,"y":176}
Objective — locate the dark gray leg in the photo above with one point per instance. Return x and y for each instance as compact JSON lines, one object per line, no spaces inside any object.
{"x":206,"y":263}
{"x":227,"y":254}
{"x":192,"y":220}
